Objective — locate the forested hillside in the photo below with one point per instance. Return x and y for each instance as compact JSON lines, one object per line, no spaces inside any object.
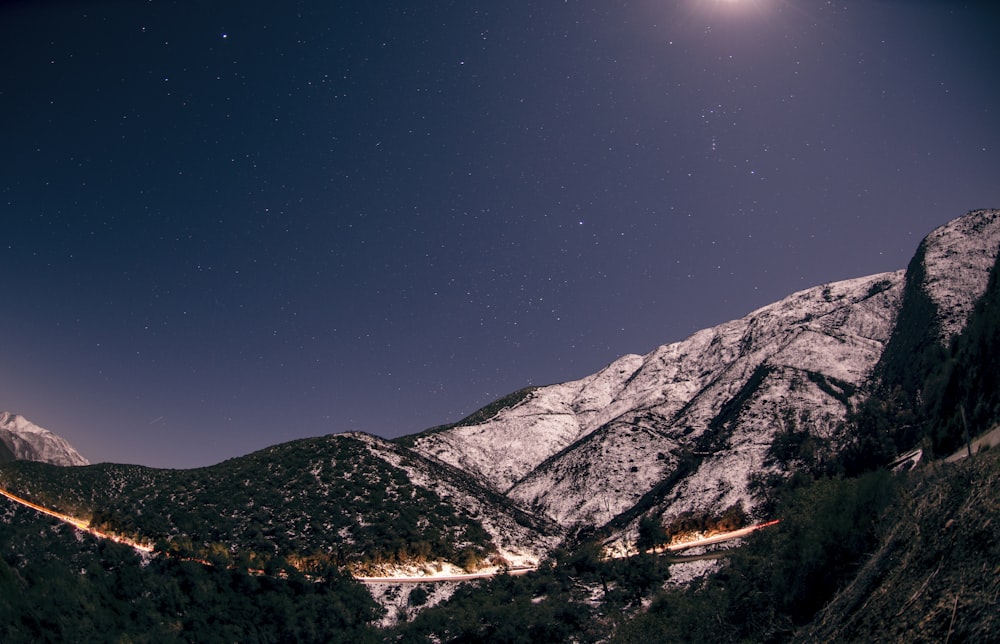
{"x":59,"y":585}
{"x":315,"y":501}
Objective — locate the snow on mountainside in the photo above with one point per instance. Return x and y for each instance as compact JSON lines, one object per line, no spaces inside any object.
{"x":684,"y":427}
{"x":738,"y":379}
{"x":958,"y":259}
{"x":506,"y":447}
{"x":27,"y":441}
{"x":586,"y":450}
{"x":521,"y":538}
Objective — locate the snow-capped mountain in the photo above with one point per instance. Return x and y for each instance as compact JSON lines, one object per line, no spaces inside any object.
{"x":26,"y":441}
{"x":684,"y":427}
{"x":587,"y":450}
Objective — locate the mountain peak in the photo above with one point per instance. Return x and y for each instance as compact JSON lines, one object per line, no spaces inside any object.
{"x":25,"y":441}
{"x":958,"y":257}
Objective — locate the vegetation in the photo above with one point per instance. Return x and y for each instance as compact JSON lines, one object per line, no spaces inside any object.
{"x":573,"y":597}
{"x":731,"y":518}
{"x":932,"y":575}
{"x":783,"y":576}
{"x":318,"y":502}
{"x":59,"y":586}
{"x":910,"y":559}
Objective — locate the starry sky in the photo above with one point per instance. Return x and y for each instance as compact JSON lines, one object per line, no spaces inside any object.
{"x":227,"y":225}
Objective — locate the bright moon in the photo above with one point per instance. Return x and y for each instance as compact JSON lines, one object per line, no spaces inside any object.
{"x":735,"y":5}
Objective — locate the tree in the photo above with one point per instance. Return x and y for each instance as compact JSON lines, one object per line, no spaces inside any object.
{"x":651,"y":533}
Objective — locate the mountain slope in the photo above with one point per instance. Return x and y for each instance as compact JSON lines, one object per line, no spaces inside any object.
{"x":802,"y":356}
{"x":932,"y":576}
{"x":505,"y":447}
{"x":23,"y":440}
{"x":348,"y":498}
{"x":586,"y":450}
{"x":687,"y":427}
{"x":958,"y":257}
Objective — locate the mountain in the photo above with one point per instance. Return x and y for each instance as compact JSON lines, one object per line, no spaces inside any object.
{"x":20,"y":439}
{"x":690,"y":432}
{"x":693,"y":426}
{"x":588,"y":450}
{"x":957,"y":259}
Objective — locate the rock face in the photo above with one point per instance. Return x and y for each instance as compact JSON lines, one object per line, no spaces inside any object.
{"x":684,"y":427}
{"x":26,"y":441}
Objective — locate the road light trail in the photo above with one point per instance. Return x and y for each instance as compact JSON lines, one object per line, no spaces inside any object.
{"x":718,"y":538}
{"x":77,"y":523}
{"x":513,"y":572}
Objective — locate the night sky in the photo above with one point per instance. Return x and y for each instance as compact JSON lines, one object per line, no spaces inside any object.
{"x":230,"y":224}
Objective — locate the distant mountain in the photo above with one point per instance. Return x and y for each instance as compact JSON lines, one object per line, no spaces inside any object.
{"x":20,"y":439}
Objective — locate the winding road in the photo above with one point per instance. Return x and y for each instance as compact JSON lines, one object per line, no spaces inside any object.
{"x":513,"y":572}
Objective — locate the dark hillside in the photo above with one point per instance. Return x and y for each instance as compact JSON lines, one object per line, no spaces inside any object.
{"x":876,"y":558}
{"x":925,"y":394}
{"x":782,"y":576}
{"x":6,"y":456}
{"x":963,"y":393}
{"x":935,"y":575}
{"x":888,"y":422}
{"x":59,"y":585}
{"x":913,"y":350}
